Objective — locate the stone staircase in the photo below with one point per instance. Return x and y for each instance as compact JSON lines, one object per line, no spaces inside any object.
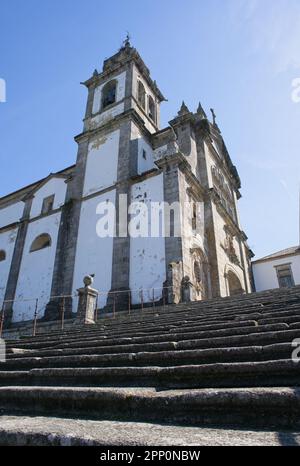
{"x":223,"y":362}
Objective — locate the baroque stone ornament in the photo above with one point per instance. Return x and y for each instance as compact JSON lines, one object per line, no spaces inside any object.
{"x":229,"y":248}
{"x":183,"y":109}
{"x":88,"y":280}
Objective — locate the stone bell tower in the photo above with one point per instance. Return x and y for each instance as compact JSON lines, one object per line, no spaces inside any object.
{"x":123,"y":109}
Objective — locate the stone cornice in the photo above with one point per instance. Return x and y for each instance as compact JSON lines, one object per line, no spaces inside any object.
{"x":132,"y":180}
{"x":11,"y":226}
{"x":29,"y":220}
{"x":179,"y":159}
{"x":113,"y":124}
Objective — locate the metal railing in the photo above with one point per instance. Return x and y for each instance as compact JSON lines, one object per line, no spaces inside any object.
{"x":115,"y":301}
{"x":38,"y":310}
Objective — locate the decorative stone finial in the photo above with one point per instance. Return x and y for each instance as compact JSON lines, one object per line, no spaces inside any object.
{"x":183,"y":109}
{"x":95,"y":72}
{"x":201,"y":112}
{"x":88,"y":280}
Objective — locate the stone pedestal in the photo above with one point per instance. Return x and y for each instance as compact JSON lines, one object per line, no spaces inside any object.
{"x":87,"y":302}
{"x":186,"y":290}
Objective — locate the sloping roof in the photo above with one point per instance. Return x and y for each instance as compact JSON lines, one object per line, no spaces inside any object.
{"x":284,"y":252}
{"x":20,"y":193}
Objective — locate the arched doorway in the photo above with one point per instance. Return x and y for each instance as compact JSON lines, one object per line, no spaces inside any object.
{"x":234,"y":285}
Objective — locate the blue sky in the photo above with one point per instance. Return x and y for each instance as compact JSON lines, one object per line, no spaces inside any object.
{"x":237,"y":56}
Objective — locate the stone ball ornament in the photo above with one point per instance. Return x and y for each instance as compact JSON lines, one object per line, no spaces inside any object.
{"x":88,"y":280}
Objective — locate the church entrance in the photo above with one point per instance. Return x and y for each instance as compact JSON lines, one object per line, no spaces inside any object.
{"x":234,"y":285}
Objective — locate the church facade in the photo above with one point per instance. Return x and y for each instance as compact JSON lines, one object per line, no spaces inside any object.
{"x":50,"y":236}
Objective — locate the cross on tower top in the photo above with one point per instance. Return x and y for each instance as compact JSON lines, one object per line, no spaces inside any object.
{"x":126,"y":42}
{"x":213,"y":115}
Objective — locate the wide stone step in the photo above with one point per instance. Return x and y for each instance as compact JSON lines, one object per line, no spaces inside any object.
{"x":290,"y":315}
{"x":107,"y":336}
{"x":218,"y":375}
{"x":96,"y":347}
{"x":201,"y":308}
{"x":293,"y":316}
{"x":160,"y":358}
{"x":276,"y":406}
{"x":57,"y":431}
{"x":255,"y":339}
{"x":261,"y":318}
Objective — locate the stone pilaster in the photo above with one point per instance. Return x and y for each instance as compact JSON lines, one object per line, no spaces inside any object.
{"x":121,"y":243}
{"x":208,"y":220}
{"x":63,"y":272}
{"x":173,"y":244}
{"x":16,"y":262}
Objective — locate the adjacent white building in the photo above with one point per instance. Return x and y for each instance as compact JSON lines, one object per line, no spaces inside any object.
{"x":278,"y":270}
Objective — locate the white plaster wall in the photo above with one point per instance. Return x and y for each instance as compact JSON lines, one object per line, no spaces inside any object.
{"x":56,"y":186}
{"x":7,"y":243}
{"x":102,"y":163}
{"x":105,"y":116}
{"x":120,"y":94}
{"x":143,"y":164}
{"x":93,"y":254}
{"x":35,"y":277}
{"x":265,"y":275}
{"x":147,"y":254}
{"x":11,"y":214}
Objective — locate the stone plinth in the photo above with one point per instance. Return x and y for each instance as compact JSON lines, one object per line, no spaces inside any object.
{"x":87,"y":302}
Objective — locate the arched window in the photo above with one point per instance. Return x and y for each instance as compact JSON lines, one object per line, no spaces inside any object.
{"x":2,"y":255}
{"x":41,"y":242}
{"x":141,"y":95}
{"x":151,"y":109}
{"x":109,"y":93}
{"x":194,"y":216}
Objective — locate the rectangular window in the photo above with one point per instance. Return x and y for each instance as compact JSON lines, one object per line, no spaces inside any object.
{"x":194,"y":217}
{"x":48,"y":203}
{"x":285,"y":276}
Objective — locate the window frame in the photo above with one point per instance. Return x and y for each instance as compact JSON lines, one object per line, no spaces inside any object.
{"x":48,"y":243}
{"x":142,"y":102}
{"x":114,"y":83}
{"x":50,"y":206}
{"x":150,"y":102}
{"x":282,"y":268}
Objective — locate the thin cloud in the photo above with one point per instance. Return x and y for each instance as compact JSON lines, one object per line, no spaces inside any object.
{"x":273,"y":27}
